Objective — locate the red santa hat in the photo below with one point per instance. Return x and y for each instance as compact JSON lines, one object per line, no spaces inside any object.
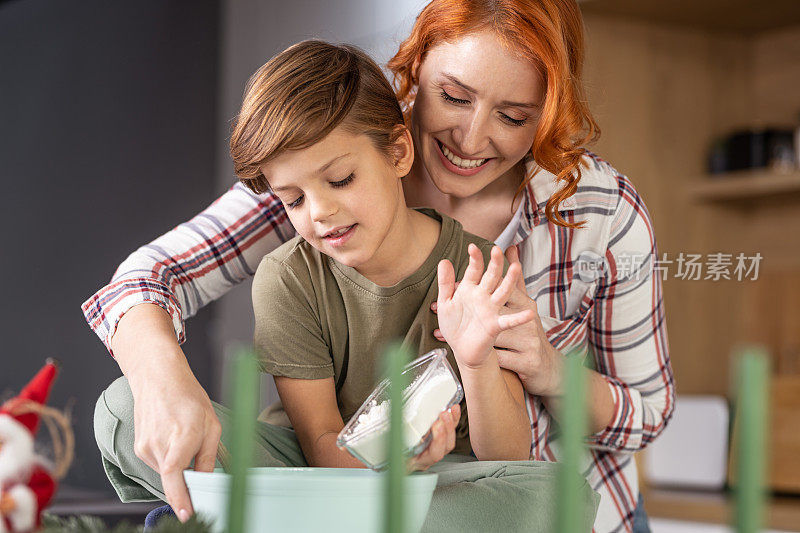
{"x":36,"y":391}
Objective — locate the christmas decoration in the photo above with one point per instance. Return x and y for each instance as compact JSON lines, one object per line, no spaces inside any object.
{"x":28,"y":480}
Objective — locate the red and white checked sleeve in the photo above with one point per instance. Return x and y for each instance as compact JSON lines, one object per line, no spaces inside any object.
{"x":628,"y":331}
{"x":194,"y":263}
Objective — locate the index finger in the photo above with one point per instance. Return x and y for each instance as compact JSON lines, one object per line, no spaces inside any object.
{"x":177,"y":494}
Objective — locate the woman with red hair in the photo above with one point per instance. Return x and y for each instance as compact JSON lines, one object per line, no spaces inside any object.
{"x":493,"y":96}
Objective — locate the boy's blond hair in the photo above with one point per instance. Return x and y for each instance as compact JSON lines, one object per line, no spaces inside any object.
{"x":302,"y":94}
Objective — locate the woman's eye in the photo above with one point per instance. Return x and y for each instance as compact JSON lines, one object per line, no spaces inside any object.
{"x":344,"y":182}
{"x":513,"y":121}
{"x":296,"y":203}
{"x":453,"y":99}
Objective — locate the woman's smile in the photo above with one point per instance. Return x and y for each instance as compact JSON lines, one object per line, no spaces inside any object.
{"x":462,"y":166}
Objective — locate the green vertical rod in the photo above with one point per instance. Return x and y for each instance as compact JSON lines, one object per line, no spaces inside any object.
{"x":573,"y":425}
{"x":752,"y":377}
{"x":244,"y":412}
{"x":395,"y":358}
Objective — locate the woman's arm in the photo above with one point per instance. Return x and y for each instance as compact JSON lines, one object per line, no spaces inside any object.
{"x":628,"y":332}
{"x":193,"y":264}
{"x":471,"y":317}
{"x":631,"y":396}
{"x":177,"y":274}
{"x":600,"y":406}
{"x":164,"y":388}
{"x":527,"y":352}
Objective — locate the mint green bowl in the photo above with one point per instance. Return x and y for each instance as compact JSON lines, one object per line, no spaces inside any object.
{"x":310,"y":499}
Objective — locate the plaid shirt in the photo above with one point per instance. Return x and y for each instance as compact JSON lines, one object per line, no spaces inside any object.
{"x":613,"y":314}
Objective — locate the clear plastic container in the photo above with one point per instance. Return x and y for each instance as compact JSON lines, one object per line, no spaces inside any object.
{"x":433,"y":387}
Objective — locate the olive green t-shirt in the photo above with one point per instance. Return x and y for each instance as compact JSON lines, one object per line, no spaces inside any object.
{"x":316,"y":318}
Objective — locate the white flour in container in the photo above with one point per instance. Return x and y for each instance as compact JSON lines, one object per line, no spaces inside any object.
{"x":420,"y":412}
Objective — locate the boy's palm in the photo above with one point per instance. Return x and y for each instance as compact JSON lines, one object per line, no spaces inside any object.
{"x":472,"y":315}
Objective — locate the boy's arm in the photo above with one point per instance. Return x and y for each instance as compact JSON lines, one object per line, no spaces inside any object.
{"x":311,"y":407}
{"x":470,"y":318}
{"x":291,"y":346}
{"x":498,"y":420}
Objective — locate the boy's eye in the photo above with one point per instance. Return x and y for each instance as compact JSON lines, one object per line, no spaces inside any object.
{"x":296,"y":203}
{"x":344,"y":182}
{"x":513,"y":121}
{"x":453,"y":99}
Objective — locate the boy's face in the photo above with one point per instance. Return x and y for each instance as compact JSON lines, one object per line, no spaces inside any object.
{"x":342,"y":195}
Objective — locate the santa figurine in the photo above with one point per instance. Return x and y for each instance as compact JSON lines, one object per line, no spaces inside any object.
{"x":26,"y":482}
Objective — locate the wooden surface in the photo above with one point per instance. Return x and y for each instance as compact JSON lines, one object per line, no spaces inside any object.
{"x":746,"y":186}
{"x":661,"y":95}
{"x":783,"y":439}
{"x":783,"y":512}
{"x":784,"y":442}
{"x":739,"y":16}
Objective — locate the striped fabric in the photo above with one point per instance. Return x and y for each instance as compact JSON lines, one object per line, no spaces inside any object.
{"x":195,"y":263}
{"x":612,"y":315}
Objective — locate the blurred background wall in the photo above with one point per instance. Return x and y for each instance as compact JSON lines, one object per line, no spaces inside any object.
{"x":107,"y":139}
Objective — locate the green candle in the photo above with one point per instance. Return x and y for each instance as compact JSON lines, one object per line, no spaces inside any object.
{"x":244,"y":413}
{"x":753,"y":378}
{"x":395,"y":359}
{"x":573,"y":426}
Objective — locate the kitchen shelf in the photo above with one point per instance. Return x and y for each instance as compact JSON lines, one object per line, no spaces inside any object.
{"x":746,"y":185}
{"x":782,"y":512}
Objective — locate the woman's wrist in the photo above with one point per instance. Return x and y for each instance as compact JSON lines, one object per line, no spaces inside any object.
{"x":144,"y":343}
{"x":599,"y":403}
{"x":552,"y":382}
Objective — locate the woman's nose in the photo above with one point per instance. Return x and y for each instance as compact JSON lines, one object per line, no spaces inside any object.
{"x":472,"y":135}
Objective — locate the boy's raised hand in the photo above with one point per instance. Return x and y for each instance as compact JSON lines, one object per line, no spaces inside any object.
{"x":471,"y":316}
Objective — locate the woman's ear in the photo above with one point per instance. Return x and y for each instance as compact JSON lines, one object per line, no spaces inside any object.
{"x":402,"y":151}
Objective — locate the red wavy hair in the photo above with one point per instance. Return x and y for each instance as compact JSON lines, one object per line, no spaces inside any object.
{"x":549,"y":33}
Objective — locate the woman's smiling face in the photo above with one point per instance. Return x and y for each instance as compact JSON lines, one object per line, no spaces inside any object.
{"x":475,"y":113}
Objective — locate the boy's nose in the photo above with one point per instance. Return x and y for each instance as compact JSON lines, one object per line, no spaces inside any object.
{"x":322,"y":209}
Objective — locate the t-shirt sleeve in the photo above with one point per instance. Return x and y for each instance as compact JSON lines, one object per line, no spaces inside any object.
{"x":288,"y":339}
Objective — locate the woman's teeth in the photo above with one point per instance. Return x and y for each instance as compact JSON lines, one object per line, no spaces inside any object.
{"x":461,"y":163}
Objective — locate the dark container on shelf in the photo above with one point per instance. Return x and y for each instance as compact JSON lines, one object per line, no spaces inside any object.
{"x":752,"y":149}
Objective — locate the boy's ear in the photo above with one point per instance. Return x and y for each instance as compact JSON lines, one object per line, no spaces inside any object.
{"x":403,"y":151}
